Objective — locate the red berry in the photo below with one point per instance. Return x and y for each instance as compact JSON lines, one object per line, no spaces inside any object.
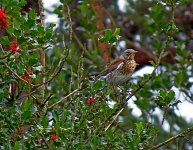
{"x":4,"y":23}
{"x":88,"y":102}
{"x":14,"y":43}
{"x":54,"y":137}
{"x":2,"y":14}
{"x":12,"y":48}
{"x":20,"y":130}
{"x":92,"y":99}
{"x":29,"y":70}
{"x":19,"y":50}
{"x":25,"y":77}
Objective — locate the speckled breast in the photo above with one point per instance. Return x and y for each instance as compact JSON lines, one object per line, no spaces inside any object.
{"x":122,"y":74}
{"x":128,"y":67}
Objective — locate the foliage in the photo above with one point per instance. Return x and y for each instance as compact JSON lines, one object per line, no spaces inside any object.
{"x":48,"y":99}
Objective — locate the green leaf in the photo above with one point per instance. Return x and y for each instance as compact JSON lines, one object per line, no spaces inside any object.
{"x":162,"y":93}
{"x":157,"y":12}
{"x":182,"y":52}
{"x":27,"y":105}
{"x":139,"y":127}
{"x":102,"y":40}
{"x":5,"y":40}
{"x":152,"y":63}
{"x":117,"y":31}
{"x":26,"y":115}
{"x":40,"y":29}
{"x":58,"y":11}
{"x":32,"y":14}
{"x":17,"y":146}
{"x":108,"y":34}
{"x":44,"y":121}
{"x":174,"y":28}
{"x":22,"y":3}
{"x":30,"y":23}
{"x":67,"y":1}
{"x":98,"y":84}
{"x":171,"y":94}
{"x":57,"y":52}
{"x":10,"y":30}
{"x":110,"y":134}
{"x":96,"y":140}
{"x":33,"y":59}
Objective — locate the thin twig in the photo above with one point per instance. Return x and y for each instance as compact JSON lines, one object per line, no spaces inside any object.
{"x":45,"y":141}
{"x":182,"y":134}
{"x":38,"y":86}
{"x":6,"y":56}
{"x":47,"y":99}
{"x":65,"y":97}
{"x":164,"y":115}
{"x":2,"y":49}
{"x":114,"y":119}
{"x":41,"y":51}
{"x":16,"y":74}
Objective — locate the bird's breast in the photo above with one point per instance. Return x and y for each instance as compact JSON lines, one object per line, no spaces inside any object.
{"x":128,"y":67}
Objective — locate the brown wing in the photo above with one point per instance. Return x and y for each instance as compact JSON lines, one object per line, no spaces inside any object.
{"x":112,"y":66}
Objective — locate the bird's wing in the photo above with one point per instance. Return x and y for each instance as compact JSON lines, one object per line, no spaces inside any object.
{"x":111,"y":67}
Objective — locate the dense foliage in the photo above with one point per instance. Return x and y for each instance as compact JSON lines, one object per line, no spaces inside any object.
{"x":48,"y":98}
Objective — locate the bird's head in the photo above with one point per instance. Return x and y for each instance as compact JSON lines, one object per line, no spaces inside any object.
{"x":129,"y":54}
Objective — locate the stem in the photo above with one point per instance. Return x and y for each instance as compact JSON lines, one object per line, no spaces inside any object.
{"x":64,"y":98}
{"x":182,"y":134}
{"x":17,"y":74}
{"x":42,"y":52}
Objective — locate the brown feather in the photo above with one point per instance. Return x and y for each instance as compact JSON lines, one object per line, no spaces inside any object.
{"x":112,"y":66}
{"x":120,"y":70}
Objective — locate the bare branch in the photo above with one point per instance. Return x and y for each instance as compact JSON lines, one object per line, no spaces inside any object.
{"x":65,"y":97}
{"x":182,"y":134}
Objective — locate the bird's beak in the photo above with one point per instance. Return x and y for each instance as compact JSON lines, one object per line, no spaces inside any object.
{"x":135,"y":51}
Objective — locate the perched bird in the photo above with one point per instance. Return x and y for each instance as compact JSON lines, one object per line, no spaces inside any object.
{"x":120,"y":70}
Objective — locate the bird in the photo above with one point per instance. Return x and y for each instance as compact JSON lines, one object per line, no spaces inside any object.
{"x":120,"y":70}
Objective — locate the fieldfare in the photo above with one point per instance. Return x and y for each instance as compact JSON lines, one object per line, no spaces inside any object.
{"x":120,"y":70}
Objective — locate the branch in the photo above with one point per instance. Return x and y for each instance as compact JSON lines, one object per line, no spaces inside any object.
{"x":187,"y":94}
{"x":38,"y":86}
{"x":17,"y":74}
{"x":6,"y":56}
{"x":65,"y":97}
{"x":41,"y":51}
{"x":114,"y":119}
{"x":182,"y":134}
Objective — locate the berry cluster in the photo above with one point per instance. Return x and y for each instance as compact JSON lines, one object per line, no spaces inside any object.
{"x":90,"y":101}
{"x":14,"y":47}
{"x":3,"y":21}
{"x":26,"y":75}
